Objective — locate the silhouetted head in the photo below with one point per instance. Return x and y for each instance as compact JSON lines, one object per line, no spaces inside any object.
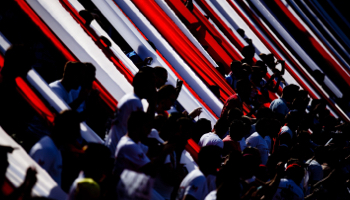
{"x":166,"y":97}
{"x":209,"y":159}
{"x":161,"y":76}
{"x":72,"y":75}
{"x":66,"y":127}
{"x":139,"y":125}
{"x":144,"y":84}
{"x":237,"y":130}
{"x":290,"y":92}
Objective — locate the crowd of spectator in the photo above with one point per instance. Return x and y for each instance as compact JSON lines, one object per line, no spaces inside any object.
{"x":292,"y":149}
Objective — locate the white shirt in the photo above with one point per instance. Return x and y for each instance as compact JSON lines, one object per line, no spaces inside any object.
{"x":255,"y":140}
{"x":287,"y":189}
{"x":286,"y":129}
{"x":211,"y":195}
{"x":61,"y":92}
{"x":47,"y":155}
{"x":211,"y":139}
{"x":211,"y":182}
{"x":128,"y":104}
{"x":193,"y":184}
{"x":129,"y":155}
{"x":315,"y":170}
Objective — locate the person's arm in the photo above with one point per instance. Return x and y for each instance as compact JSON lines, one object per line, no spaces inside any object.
{"x":282,"y":66}
{"x":152,"y":168}
{"x":83,"y":94}
{"x":179,"y":84}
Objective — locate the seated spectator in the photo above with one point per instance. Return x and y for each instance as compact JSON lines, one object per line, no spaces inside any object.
{"x":46,"y":152}
{"x":214,"y":138}
{"x":144,"y":88}
{"x":195,"y":185}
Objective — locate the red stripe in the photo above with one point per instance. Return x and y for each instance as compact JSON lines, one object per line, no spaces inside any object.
{"x":200,"y":30}
{"x":184,"y":47}
{"x":344,"y":73}
{"x":106,"y":50}
{"x":1,"y":60}
{"x":62,"y":48}
{"x":193,"y":148}
{"x":220,"y":23}
{"x":289,"y":68}
{"x":34,"y":100}
{"x":7,"y":187}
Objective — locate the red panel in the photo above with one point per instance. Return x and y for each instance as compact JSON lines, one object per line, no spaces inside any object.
{"x":7,"y":188}
{"x":1,"y":61}
{"x":34,"y":100}
{"x":193,"y":148}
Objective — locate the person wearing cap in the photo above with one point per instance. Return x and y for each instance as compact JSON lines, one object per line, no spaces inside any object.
{"x":86,"y":189}
{"x":289,"y":187}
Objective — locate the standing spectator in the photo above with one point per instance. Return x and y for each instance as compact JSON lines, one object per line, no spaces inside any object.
{"x":195,"y":185}
{"x":46,"y":152}
{"x":280,"y":105}
{"x":231,"y":142}
{"x":257,"y":139}
{"x":236,"y":100}
{"x":214,"y":138}
{"x":144,"y":88}
{"x":71,"y":80}
{"x":289,"y":187}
